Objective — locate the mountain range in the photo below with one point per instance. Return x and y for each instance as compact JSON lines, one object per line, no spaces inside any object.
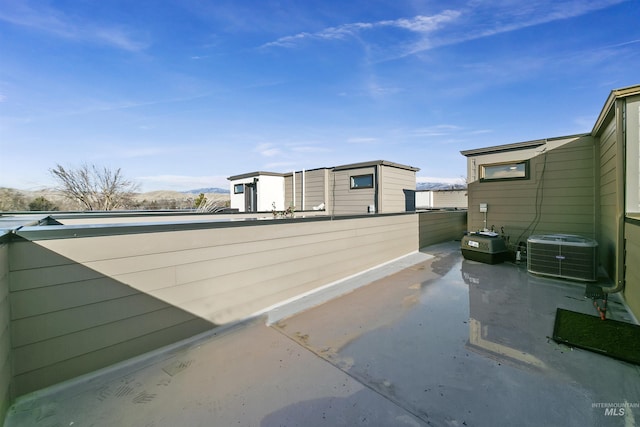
{"x":210,"y":190}
{"x":419,"y":186}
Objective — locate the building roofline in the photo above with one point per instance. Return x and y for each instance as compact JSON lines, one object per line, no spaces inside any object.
{"x":516,"y":146}
{"x":607,"y":109}
{"x":375,"y":163}
{"x":335,"y":168}
{"x":287,"y":174}
{"x":254,"y":174}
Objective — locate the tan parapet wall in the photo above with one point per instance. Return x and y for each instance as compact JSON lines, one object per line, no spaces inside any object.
{"x":83,"y":303}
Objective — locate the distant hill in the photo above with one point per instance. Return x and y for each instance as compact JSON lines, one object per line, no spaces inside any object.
{"x":421,"y":186}
{"x":18,"y":200}
{"x":211,"y":190}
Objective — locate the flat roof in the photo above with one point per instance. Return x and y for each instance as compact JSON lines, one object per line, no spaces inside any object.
{"x":376,"y":163}
{"x":431,"y":340}
{"x":336,"y":168}
{"x":253,"y":174}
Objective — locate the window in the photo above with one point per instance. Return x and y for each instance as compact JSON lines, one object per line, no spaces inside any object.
{"x":362,"y":181}
{"x":238,"y":189}
{"x":505,"y":171}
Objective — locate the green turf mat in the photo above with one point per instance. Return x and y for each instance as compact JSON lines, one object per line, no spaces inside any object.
{"x":609,"y":337}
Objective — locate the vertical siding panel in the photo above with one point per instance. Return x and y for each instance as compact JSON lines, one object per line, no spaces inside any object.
{"x":5,"y":338}
{"x":607,"y":169}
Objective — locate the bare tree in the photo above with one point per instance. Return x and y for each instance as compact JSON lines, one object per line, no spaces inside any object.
{"x":94,"y":188}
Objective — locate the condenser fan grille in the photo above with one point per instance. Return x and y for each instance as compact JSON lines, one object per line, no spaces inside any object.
{"x":561,"y":255}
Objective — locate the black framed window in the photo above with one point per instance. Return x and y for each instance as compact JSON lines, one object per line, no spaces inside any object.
{"x":362,"y":181}
{"x":505,"y":171}
{"x":238,"y":189}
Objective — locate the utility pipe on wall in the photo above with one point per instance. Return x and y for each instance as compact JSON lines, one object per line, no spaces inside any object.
{"x":302,"y":192}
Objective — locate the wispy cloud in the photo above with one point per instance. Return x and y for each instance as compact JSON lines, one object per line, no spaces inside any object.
{"x":52,"y":21}
{"x":436,"y":130}
{"x":267,"y":149}
{"x":418,"y":24}
{"x":472,"y":20}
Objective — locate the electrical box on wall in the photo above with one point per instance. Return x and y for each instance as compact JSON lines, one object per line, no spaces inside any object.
{"x":483,"y":207}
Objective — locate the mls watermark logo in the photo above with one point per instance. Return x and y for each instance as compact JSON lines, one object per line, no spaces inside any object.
{"x":616,"y":409}
{"x":614,"y":412}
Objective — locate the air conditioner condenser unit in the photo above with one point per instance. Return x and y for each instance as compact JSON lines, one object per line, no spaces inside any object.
{"x":563,"y":255}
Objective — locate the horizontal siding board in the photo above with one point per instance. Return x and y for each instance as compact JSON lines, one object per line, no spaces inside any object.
{"x":38,"y":277}
{"x":51,"y":325}
{"x":103,"y":249}
{"x":327,"y":256}
{"x":47,"y":299}
{"x":229,"y":250}
{"x":257,"y":296}
{"x":43,"y":353}
{"x":439,"y":227}
{"x":89,"y":362}
{"x":193,"y":272}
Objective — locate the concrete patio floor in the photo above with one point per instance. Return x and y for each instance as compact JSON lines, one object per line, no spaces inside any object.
{"x":441,"y":341}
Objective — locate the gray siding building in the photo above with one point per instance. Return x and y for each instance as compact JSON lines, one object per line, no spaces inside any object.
{"x":359,"y":188}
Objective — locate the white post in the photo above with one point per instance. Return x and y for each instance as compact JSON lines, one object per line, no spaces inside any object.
{"x":294,"y":188}
{"x":302,"y":191}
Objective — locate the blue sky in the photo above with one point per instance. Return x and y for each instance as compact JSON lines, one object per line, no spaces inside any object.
{"x":182,"y":94}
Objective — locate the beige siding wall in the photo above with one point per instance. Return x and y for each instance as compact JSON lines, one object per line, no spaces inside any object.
{"x":347,"y":201}
{"x":79,"y":304}
{"x":608,"y":198}
{"x":5,"y":335}
{"x":632,"y":267}
{"x":450,"y":199}
{"x":559,"y":197}
{"x":475,"y":162}
{"x":441,"y":226}
{"x":288,"y":190}
{"x":315,"y":192}
{"x":68,"y":319}
{"x":393,"y":182}
{"x":316,"y":184}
